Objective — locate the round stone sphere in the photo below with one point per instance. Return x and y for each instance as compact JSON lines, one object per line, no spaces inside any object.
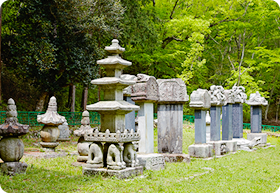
{"x":11,"y":149}
{"x":49,"y":133}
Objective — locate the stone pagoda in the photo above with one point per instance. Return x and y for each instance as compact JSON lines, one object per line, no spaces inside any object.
{"x":112,"y":151}
{"x":12,"y":147}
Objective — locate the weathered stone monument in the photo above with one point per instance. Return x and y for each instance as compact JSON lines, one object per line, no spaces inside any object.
{"x":129,"y":117}
{"x":227,"y":116}
{"x":237,"y":111}
{"x":11,"y":147}
{"x":112,"y":151}
{"x":64,"y":132}
{"x":256,"y":102}
{"x":172,"y":96}
{"x":200,"y":100}
{"x":51,"y":120}
{"x":83,"y":146}
{"x":145,"y":94}
{"x":218,"y":99}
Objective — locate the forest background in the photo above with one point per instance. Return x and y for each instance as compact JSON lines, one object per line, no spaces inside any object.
{"x":51,"y":47}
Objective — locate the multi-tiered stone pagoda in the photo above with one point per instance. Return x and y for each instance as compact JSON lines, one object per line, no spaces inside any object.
{"x":112,"y":151}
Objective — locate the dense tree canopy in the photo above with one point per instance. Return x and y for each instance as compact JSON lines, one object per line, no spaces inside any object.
{"x":224,"y":42}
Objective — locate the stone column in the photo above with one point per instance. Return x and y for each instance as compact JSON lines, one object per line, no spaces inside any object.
{"x":145,"y":94}
{"x":237,"y":111}
{"x":200,"y":101}
{"x":227,"y":116}
{"x":172,"y":96}
{"x":256,"y":102}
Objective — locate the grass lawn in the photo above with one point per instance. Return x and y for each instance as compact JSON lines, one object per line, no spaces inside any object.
{"x":242,"y":172}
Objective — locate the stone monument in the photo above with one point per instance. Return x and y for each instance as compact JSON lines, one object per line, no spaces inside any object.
{"x":200,"y":100}
{"x":11,"y":147}
{"x":237,"y":111}
{"x":83,"y":146}
{"x":51,"y":120}
{"x":256,"y":101}
{"x":64,"y":132}
{"x":112,"y":151}
{"x":172,"y":96}
{"x":218,"y":99}
{"x":145,"y":94}
{"x":129,"y":117}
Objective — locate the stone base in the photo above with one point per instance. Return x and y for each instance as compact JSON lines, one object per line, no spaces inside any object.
{"x":219,"y":147}
{"x":151,"y":161}
{"x":176,"y":157}
{"x":201,"y":150}
{"x":125,"y":173}
{"x":12,"y":168}
{"x":82,"y":158}
{"x":49,"y":146}
{"x":231,"y":145}
{"x":63,"y":139}
{"x":263,"y":136}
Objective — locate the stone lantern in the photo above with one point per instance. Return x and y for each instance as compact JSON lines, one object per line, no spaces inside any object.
{"x":11,"y":147}
{"x":256,"y":101}
{"x":50,"y":131}
{"x":112,"y":149}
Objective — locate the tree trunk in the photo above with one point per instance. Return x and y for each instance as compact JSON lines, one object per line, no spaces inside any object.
{"x":277,"y":110}
{"x":41,"y":102}
{"x":85,"y":97}
{"x":267,"y":107}
{"x":73,"y":98}
{"x":0,"y":55}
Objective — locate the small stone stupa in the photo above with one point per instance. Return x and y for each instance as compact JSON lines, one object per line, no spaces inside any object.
{"x":50,"y":132}
{"x":112,"y":151}
{"x":11,"y":147}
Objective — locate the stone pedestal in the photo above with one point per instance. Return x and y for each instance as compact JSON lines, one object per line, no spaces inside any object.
{"x":12,"y":168}
{"x":219,"y":147}
{"x":201,"y":150}
{"x":129,"y":117}
{"x":146,"y":127}
{"x":215,"y":132}
{"x":121,"y":174}
{"x":152,"y":161}
{"x":170,"y":128}
{"x":176,"y":157}
{"x":227,"y":122}
{"x":200,"y":126}
{"x":263,"y":136}
{"x":231,"y":145}
{"x":237,"y":120}
{"x":256,"y":119}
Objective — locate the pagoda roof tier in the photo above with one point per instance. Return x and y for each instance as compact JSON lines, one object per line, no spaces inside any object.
{"x":115,"y":48}
{"x":113,"y":81}
{"x":109,"y":106}
{"x":115,"y":62}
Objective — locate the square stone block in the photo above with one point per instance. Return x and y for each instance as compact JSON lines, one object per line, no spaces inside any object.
{"x":201,"y":150}
{"x":122,"y":174}
{"x":251,"y":136}
{"x":151,"y":161}
{"x":176,"y":157}
{"x":219,"y":147}
{"x":12,"y":168}
{"x":231,"y":145}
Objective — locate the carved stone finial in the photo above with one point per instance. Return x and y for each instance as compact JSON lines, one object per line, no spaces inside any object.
{"x":218,"y":97}
{"x":229,"y":96}
{"x":257,"y":100}
{"x":200,"y":99}
{"x":239,"y":94}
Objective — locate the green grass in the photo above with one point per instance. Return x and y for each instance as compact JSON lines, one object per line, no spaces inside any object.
{"x":241,"y":172}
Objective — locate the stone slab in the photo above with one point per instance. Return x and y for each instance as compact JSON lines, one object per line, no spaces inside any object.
{"x":215,"y":123}
{"x":219,"y":147}
{"x":237,"y":120}
{"x":130,"y":117}
{"x":201,"y":150}
{"x":176,"y":158}
{"x":170,"y":128}
{"x":263,"y":136}
{"x":121,"y":174}
{"x":200,"y":126}
{"x":227,"y":122}
{"x":12,"y":168}
{"x":151,"y":161}
{"x":256,"y":119}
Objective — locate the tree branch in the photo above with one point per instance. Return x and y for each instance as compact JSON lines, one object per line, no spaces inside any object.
{"x":168,"y":40}
{"x":173,"y":9}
